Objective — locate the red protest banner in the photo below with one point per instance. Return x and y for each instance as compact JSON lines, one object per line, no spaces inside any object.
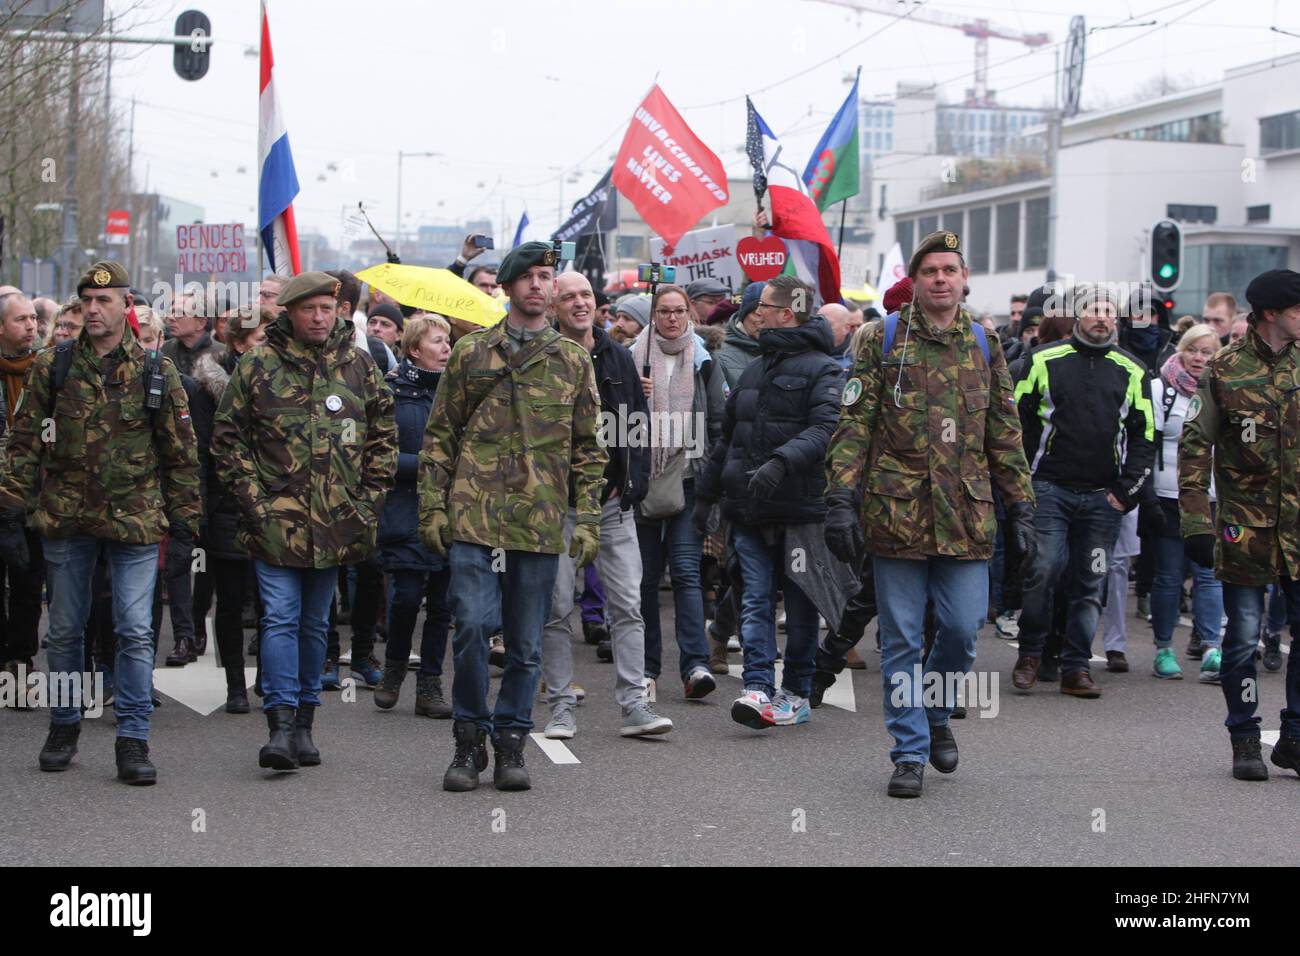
{"x":669,"y":175}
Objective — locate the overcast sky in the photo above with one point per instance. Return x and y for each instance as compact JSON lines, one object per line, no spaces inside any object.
{"x":521,"y":97}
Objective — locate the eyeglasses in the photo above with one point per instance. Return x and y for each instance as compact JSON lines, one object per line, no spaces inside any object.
{"x":767,"y":305}
{"x":672,"y":313}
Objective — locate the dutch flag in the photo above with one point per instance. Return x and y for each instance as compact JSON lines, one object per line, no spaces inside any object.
{"x":278,"y":181}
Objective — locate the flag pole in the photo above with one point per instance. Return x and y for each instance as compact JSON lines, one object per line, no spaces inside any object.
{"x":839,"y":247}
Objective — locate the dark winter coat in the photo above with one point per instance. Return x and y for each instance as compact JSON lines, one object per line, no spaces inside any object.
{"x":400,"y":548}
{"x":212,"y":375}
{"x":785,"y":405}
{"x":619,"y":383}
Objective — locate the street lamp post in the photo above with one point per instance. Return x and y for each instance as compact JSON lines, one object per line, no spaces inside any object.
{"x":397,"y":241}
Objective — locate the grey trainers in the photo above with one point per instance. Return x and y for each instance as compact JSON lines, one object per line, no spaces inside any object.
{"x":642,"y":721}
{"x":563,"y":724}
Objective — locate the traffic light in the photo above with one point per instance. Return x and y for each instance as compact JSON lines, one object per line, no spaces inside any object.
{"x":191,"y":60}
{"x":1166,"y":255}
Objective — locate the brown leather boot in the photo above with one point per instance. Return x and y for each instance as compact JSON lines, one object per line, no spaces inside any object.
{"x":1025,"y":674}
{"x":853,"y":661}
{"x":717,"y":656}
{"x":1079,"y":684}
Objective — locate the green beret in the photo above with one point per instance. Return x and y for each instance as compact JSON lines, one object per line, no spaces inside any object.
{"x":941,"y":241}
{"x":523,"y":257}
{"x":104,"y":275}
{"x":307,"y":284}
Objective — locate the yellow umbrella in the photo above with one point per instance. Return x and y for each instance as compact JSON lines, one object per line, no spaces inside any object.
{"x":865,"y":294}
{"x":434,"y":290}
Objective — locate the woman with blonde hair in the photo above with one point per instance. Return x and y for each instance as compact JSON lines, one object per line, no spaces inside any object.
{"x":1171,"y":398}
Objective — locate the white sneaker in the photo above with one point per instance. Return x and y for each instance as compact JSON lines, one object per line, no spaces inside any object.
{"x":1007,"y":627}
{"x":749,"y":707}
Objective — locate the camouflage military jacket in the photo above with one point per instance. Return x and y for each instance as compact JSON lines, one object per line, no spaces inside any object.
{"x":306,"y":441}
{"x":98,"y":462}
{"x":505,"y":438}
{"x":1244,"y":423}
{"x":921,"y":430}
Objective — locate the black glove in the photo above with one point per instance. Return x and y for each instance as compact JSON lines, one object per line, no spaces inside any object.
{"x":1023,"y":533}
{"x":1151,"y":518}
{"x":844,"y":526}
{"x":700,"y":517}
{"x":13,"y":542}
{"x":766,"y":479}
{"x":1200,"y":548}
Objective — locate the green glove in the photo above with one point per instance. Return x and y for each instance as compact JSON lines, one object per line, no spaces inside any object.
{"x":586,"y":543}
{"x":436,"y":533}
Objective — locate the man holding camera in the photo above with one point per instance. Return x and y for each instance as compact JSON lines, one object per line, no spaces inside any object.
{"x":511,"y":441}
{"x":103,"y":447}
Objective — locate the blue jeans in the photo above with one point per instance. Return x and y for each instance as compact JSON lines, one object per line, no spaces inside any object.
{"x":295,"y":622}
{"x":70,"y":563}
{"x":960,"y":591}
{"x":514,"y":589}
{"x":1238,"y":677}
{"x":406,"y":589}
{"x":675,"y":540}
{"x":1076,"y":529}
{"x":1277,"y":616}
{"x":762,"y":567}
{"x":1207,"y":594}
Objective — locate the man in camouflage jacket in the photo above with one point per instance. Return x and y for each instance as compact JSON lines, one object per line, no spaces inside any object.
{"x":306,"y":441}
{"x":923,"y":424}
{"x":98,"y":467}
{"x":514,"y":422}
{"x":1244,"y":426}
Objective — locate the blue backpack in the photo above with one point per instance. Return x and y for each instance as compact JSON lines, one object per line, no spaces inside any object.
{"x":891,"y":327}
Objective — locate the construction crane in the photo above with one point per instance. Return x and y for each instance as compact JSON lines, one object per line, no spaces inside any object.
{"x":979,"y":28}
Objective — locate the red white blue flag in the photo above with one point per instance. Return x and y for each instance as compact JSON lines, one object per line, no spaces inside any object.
{"x":278,"y":183}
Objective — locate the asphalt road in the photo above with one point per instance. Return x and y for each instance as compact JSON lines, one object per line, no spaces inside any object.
{"x":1139,"y":777}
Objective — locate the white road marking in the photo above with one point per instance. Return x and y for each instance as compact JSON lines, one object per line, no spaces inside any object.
{"x":554,"y":749}
{"x":200,"y":688}
{"x":1269,"y":737}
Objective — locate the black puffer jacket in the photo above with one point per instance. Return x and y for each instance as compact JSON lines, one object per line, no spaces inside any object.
{"x":400,"y":548}
{"x":785,"y":405}
{"x":621,"y":395}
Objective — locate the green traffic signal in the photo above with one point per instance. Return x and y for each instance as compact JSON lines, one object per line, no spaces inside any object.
{"x":1167,"y":271}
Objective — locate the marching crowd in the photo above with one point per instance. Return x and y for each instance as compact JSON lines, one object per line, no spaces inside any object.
{"x":332,"y":457}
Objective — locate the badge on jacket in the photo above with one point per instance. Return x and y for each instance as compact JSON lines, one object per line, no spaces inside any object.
{"x":1193,"y":409}
{"x":333,"y":403}
{"x":852,"y":392}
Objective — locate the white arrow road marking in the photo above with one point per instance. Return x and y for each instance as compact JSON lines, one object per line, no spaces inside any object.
{"x":201,"y":689}
{"x":1269,"y":737}
{"x":554,"y":749}
{"x":839,"y":694}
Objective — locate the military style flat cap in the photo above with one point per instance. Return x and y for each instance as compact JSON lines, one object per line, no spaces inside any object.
{"x":523,"y":257}
{"x":104,"y":275}
{"x":705,"y":287}
{"x":941,"y":241}
{"x":1274,"y":289}
{"x":307,"y":284}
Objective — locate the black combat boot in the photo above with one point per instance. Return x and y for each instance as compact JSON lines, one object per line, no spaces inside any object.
{"x":429,"y":701}
{"x":471,"y":757}
{"x":236,"y":692}
{"x":60,"y":746}
{"x":510,"y":772}
{"x":279,"y":753}
{"x":1286,"y":753}
{"x":943,"y":749}
{"x":1247,"y":764}
{"x":308,"y":755}
{"x":133,"y":764}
